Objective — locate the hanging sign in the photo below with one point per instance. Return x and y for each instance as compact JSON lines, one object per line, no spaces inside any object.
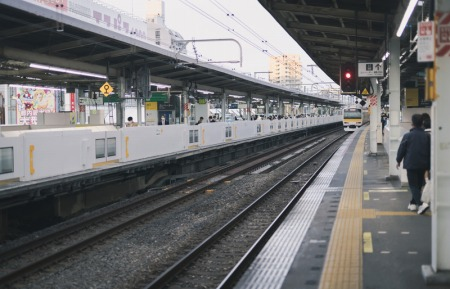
{"x":370,"y":69}
{"x":425,"y":41}
{"x":443,"y":34}
{"x":106,"y":89}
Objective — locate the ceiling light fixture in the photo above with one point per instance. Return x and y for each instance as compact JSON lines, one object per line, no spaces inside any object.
{"x":412,"y":4}
{"x":66,"y":70}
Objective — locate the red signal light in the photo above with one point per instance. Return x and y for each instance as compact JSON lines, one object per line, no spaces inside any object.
{"x":348,"y":75}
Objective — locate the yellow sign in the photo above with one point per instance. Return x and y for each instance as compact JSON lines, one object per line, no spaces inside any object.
{"x":411,"y":97}
{"x":365,"y":92}
{"x":106,"y":89}
{"x":151,"y":105}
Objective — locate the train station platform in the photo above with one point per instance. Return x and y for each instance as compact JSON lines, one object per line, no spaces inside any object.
{"x":351,"y":229}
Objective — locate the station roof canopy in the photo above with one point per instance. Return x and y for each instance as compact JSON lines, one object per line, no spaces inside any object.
{"x":31,"y":35}
{"x":334,"y":32}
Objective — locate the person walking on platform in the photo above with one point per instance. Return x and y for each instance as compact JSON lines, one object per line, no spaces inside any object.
{"x":414,"y":151}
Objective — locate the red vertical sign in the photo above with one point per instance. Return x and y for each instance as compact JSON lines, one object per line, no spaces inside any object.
{"x":72,"y":102}
{"x":443,"y":34}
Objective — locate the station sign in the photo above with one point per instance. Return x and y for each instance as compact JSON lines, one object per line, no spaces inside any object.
{"x":159,"y":96}
{"x":370,"y":69}
{"x":113,"y":97}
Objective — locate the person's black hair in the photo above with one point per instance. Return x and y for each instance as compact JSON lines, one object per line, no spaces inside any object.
{"x":426,"y":120}
{"x":417,"y":120}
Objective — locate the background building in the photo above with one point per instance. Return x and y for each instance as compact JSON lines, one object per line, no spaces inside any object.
{"x":158,"y":32}
{"x":286,"y":70}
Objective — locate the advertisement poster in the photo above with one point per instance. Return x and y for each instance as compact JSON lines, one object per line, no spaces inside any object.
{"x":31,"y":101}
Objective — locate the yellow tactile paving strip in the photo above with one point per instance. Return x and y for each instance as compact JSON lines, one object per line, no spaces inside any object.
{"x":343,"y":262}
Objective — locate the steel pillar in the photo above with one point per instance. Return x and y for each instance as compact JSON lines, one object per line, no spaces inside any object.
{"x":374,"y":118}
{"x":394,"y":104}
{"x":439,"y":271}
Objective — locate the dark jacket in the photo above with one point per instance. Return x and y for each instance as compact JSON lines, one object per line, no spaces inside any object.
{"x":415,"y":150}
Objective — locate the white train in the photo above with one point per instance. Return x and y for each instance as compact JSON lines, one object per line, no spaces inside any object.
{"x":29,"y":153}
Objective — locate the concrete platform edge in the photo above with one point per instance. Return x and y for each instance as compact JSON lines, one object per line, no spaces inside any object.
{"x":439,"y":278}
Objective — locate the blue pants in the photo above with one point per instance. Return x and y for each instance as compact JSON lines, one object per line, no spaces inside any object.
{"x":416,"y":181}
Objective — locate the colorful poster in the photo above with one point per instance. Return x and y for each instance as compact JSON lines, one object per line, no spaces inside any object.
{"x":31,"y":101}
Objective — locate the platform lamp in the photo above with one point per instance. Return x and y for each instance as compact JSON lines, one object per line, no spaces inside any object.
{"x":409,"y":10}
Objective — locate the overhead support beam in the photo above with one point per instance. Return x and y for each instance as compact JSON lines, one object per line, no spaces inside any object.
{"x":25,"y":30}
{"x":338,"y":42}
{"x":70,"y":45}
{"x":325,"y":12}
{"x":111,"y":54}
{"x":340,"y":51}
{"x":335,"y":30}
{"x":32,"y":57}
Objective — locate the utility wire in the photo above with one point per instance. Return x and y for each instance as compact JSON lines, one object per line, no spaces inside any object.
{"x":246,"y":27}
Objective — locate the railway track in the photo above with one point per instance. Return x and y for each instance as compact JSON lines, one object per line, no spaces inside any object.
{"x":243,"y":236}
{"x":71,"y":239}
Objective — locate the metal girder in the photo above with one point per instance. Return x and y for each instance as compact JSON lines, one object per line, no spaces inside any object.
{"x":25,"y":30}
{"x":32,"y":57}
{"x":68,"y":45}
{"x":326,"y":11}
{"x":335,"y":30}
{"x":338,"y":42}
{"x":341,"y":51}
{"x":111,"y":54}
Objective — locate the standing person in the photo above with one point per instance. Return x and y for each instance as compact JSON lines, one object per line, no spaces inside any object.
{"x":414,"y":151}
{"x":426,"y":122}
{"x":130,"y":122}
{"x":383,"y":122}
{"x":199,"y":121}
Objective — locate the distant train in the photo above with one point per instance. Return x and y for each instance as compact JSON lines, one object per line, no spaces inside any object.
{"x":354,"y":118}
{"x":29,"y":153}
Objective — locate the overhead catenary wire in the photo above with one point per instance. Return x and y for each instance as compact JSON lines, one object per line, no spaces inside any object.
{"x":248,"y":29}
{"x":235,"y":18}
{"x":229,"y":29}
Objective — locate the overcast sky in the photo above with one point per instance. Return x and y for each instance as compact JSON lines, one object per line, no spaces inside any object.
{"x":243,"y":20}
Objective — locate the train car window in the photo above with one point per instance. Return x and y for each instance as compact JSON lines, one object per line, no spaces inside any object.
{"x":111,"y":147}
{"x":258,"y":128}
{"x":228,"y":132}
{"x":352,"y":113}
{"x":193,"y":136}
{"x":99,"y":148}
{"x":6,"y":160}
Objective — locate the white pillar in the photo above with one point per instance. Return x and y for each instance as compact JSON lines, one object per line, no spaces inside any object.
{"x":248,"y":113}
{"x":440,"y":169}
{"x":185,"y":97}
{"x":280,"y":110}
{"x":374,"y":117}
{"x":224,"y":105}
{"x":394,"y":104}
